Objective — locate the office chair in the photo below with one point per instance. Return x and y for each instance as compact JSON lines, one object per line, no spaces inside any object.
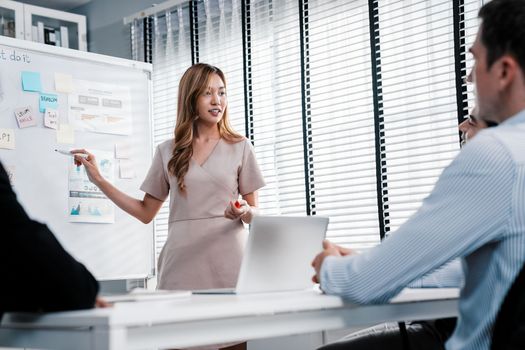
{"x":509,"y":328}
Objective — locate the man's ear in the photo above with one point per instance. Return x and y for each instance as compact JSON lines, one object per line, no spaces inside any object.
{"x":507,"y":71}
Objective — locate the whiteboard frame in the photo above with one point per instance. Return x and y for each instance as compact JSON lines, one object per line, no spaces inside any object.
{"x":72,"y":53}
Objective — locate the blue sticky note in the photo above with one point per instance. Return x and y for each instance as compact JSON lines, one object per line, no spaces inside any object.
{"x":31,"y":81}
{"x":48,"y":101}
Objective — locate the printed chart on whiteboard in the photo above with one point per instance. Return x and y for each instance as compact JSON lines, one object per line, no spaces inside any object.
{"x":86,"y":202}
{"x":101,"y":108}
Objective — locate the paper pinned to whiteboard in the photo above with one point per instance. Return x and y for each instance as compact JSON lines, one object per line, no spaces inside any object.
{"x":87,"y":203}
{"x":63,"y":83}
{"x":100,"y":108}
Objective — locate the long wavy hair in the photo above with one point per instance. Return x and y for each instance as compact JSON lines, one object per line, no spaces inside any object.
{"x":193,"y":83}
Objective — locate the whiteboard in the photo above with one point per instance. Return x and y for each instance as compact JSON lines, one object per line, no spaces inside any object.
{"x":119,"y":250}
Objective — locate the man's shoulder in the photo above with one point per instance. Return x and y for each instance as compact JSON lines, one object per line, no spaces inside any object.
{"x":511,"y":139}
{"x":486,"y":152}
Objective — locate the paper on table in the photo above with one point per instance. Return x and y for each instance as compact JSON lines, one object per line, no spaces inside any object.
{"x":140,"y":294}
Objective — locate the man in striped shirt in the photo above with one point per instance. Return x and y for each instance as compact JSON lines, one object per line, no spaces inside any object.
{"x":486,"y":180}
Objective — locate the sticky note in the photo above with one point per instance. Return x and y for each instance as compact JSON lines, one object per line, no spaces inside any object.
{"x":127,"y":169}
{"x":63,"y":83}
{"x":122,"y":150}
{"x":7,"y":138}
{"x":65,"y":134}
{"x":48,"y":101}
{"x":24,"y":117}
{"x":51,"y":118}
{"x":31,"y":81}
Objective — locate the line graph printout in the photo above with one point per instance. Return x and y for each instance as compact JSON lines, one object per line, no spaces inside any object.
{"x":86,"y":202}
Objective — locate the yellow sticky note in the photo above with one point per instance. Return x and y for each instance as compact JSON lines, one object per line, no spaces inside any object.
{"x":65,"y":134}
{"x":127,"y":169}
{"x":122,"y":150}
{"x":7,"y":138}
{"x":63,"y":83}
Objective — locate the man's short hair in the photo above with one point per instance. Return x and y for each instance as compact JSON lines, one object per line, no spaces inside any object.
{"x":503,"y":30}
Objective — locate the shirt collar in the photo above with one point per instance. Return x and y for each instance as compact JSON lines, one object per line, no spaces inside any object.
{"x":515,"y":119}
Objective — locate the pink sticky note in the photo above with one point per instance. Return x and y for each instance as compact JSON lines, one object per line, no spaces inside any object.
{"x":24,"y":117}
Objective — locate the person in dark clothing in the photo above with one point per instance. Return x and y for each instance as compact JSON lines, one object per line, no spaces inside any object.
{"x":38,"y":274}
{"x":509,"y":328}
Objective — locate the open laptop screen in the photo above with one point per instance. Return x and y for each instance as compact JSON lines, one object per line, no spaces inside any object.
{"x":278,"y":254}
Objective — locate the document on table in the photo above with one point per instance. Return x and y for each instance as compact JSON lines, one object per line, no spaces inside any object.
{"x":139,"y":294}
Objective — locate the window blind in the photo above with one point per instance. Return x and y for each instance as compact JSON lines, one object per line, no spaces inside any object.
{"x":372,"y":158}
{"x":137,"y":40}
{"x":343,"y":121}
{"x":416,"y":49}
{"x":470,"y":22}
{"x":171,"y":56}
{"x":276,"y":87}
{"x":220,"y":44}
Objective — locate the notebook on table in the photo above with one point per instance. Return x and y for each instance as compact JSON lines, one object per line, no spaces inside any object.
{"x":278,"y":255}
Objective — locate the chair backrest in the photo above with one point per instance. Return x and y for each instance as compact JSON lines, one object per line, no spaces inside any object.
{"x":509,"y":328}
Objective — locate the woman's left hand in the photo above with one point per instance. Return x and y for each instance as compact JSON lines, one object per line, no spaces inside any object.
{"x":234,"y":211}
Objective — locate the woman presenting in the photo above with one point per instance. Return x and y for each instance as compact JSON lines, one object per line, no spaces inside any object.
{"x":204,"y":169}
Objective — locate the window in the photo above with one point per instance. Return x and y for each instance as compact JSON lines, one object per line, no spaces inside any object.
{"x":169,"y":41}
{"x":416,"y":49}
{"x":220,"y":44}
{"x":342,"y":111}
{"x":277,"y":121}
{"x":352,"y":106}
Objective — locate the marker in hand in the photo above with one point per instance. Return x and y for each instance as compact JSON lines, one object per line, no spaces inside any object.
{"x":237,"y":205}
{"x":67,"y":153}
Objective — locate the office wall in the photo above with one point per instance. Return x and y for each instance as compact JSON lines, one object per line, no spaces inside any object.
{"x":105,"y":29}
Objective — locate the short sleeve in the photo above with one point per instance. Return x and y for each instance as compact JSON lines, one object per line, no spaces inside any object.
{"x":250,"y":175}
{"x":156,"y":182}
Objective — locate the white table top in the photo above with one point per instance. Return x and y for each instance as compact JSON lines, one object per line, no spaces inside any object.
{"x":207,"y":307}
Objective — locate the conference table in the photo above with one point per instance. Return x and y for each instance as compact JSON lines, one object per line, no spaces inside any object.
{"x":197,"y":320}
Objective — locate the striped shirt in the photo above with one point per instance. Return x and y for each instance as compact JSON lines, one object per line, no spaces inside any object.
{"x":475,"y":212}
{"x":449,"y":275}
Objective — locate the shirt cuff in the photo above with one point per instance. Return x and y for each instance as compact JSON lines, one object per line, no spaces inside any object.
{"x":333,"y":275}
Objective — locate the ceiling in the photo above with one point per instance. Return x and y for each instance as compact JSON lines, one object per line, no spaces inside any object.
{"x":62,"y":5}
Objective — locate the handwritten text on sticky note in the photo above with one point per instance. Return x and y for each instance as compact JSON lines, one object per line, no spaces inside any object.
{"x":51,"y":118}
{"x":7,"y":138}
{"x":48,"y":101}
{"x":24,"y":117}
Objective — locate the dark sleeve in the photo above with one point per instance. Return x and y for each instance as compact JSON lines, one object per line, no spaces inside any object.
{"x":37,"y":273}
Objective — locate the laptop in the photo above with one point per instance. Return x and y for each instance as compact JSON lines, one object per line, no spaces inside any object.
{"x":278,"y":255}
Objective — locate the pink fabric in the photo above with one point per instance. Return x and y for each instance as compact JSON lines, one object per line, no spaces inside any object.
{"x":203,"y":249}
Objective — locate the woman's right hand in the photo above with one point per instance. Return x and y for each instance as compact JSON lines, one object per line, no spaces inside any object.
{"x":90,"y":164}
